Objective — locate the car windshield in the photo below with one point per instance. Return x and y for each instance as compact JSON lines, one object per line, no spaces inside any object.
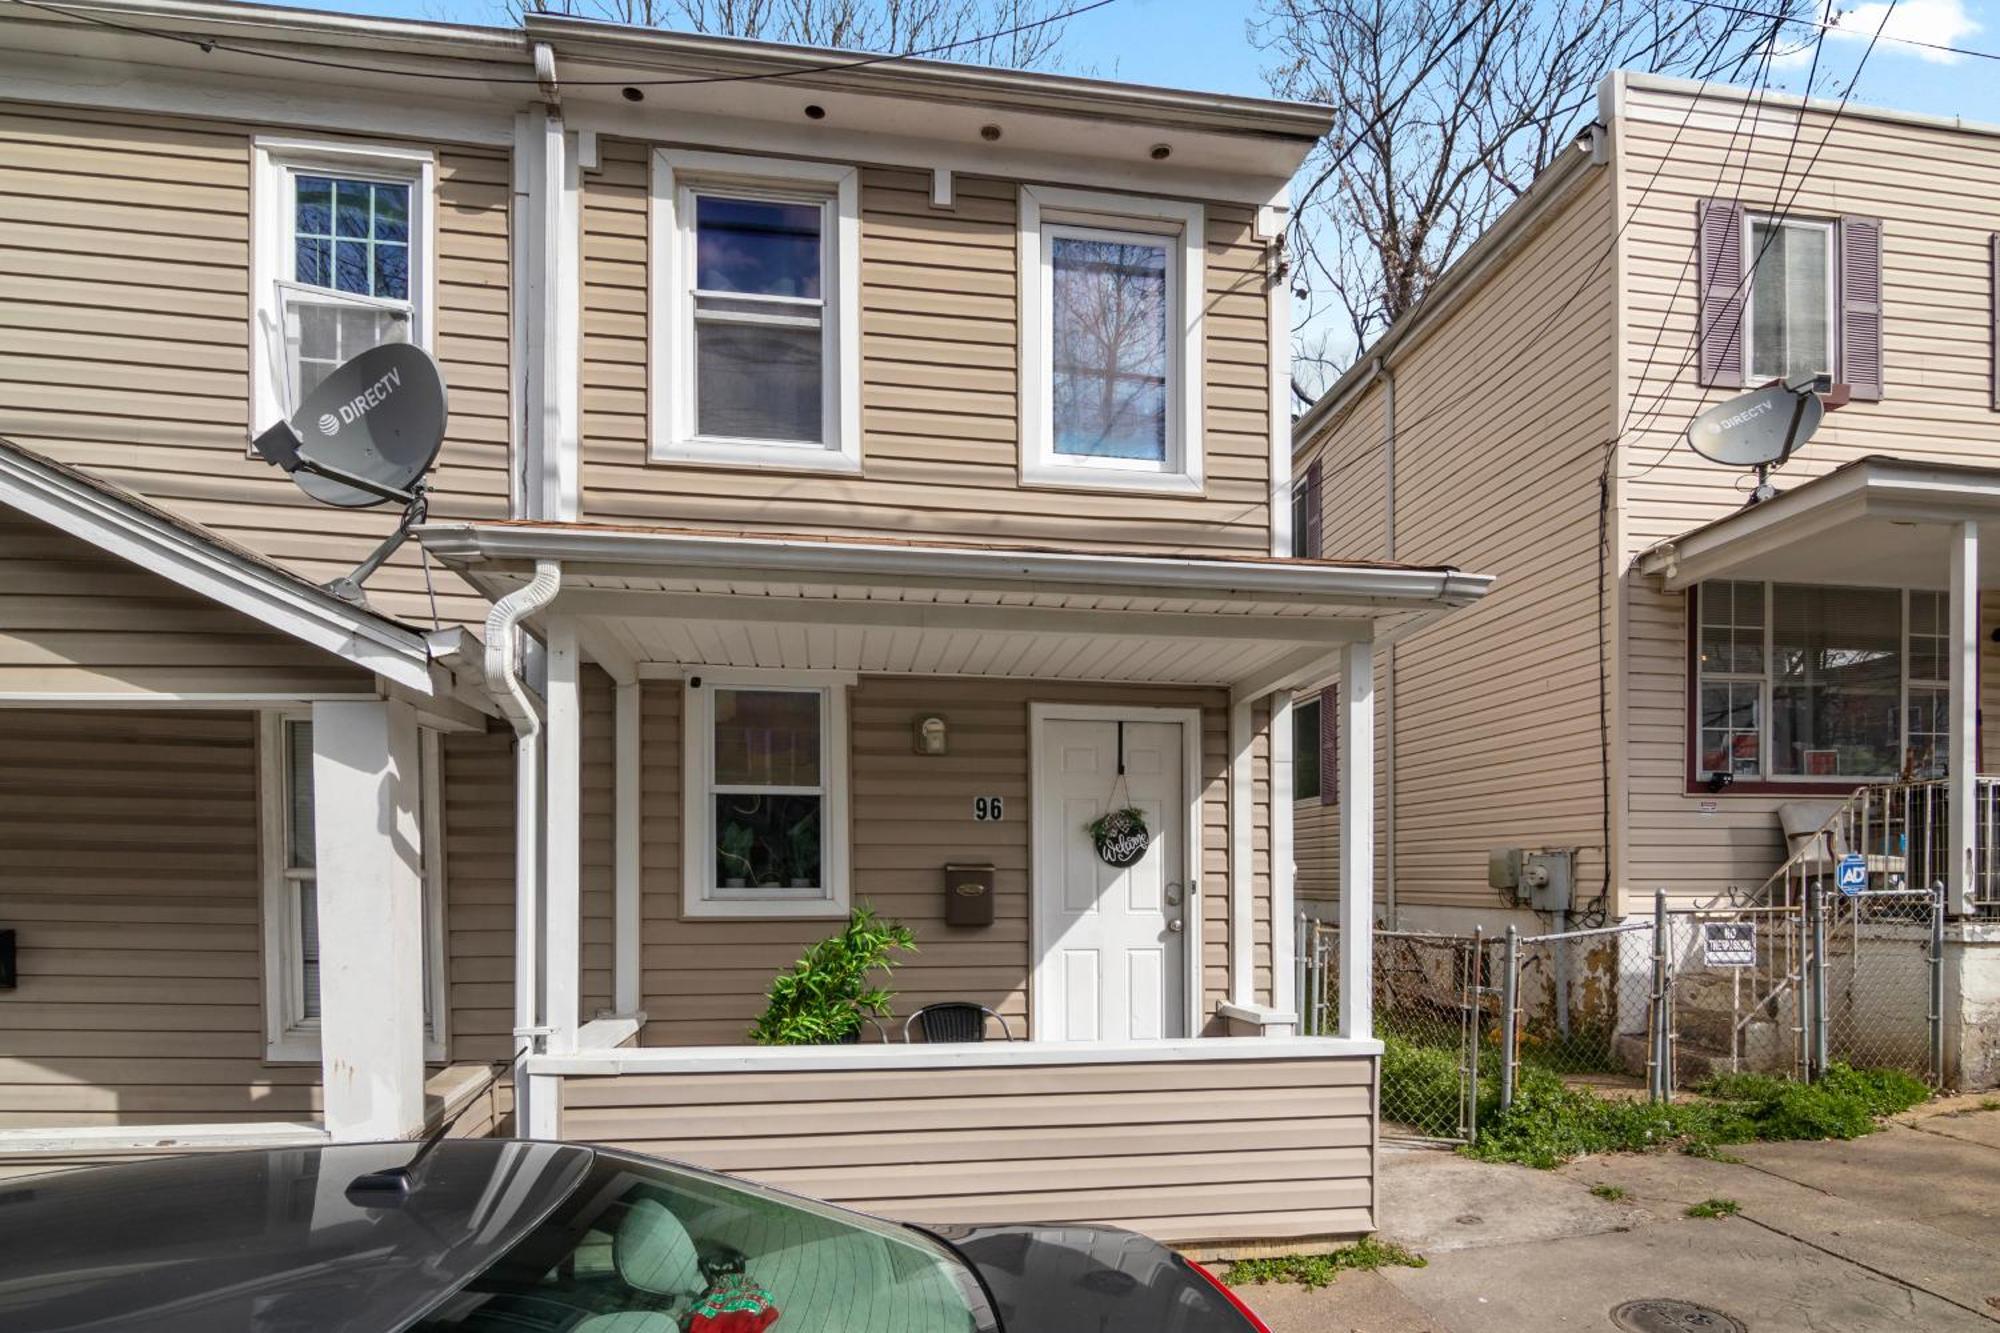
{"x":640,"y":1247}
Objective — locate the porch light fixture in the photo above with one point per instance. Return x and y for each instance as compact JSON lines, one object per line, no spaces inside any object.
{"x":931,"y":737}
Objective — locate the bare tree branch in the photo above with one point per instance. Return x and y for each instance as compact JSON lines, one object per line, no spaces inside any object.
{"x":1446,"y":111}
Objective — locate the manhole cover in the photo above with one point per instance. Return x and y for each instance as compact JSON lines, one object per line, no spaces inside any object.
{"x":1666,"y":1316}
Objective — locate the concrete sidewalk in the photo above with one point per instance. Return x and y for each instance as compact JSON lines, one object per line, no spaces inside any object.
{"x":1899,"y":1230}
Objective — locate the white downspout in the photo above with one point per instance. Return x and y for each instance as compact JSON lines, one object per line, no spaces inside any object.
{"x":1388,"y":794}
{"x":503,"y":682}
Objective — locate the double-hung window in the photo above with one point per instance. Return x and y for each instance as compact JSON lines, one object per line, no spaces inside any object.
{"x":1791,"y":298}
{"x":1805,"y":683}
{"x":766,"y":809}
{"x":291,"y":891}
{"x":1111,"y":341}
{"x":341,"y":261}
{"x":1305,"y":749}
{"x":755,"y":310}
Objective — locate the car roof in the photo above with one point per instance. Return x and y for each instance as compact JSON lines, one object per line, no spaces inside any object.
{"x":268,"y":1238}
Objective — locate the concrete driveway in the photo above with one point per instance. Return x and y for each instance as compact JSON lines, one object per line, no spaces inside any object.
{"x":1899,"y":1230}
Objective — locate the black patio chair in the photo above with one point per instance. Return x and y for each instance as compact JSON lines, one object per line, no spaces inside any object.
{"x":955,"y":1020}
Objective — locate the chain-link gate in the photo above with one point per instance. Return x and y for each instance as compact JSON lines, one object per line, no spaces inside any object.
{"x":1878,"y":1002}
{"x":1427,"y":990}
{"x":1736,"y":992}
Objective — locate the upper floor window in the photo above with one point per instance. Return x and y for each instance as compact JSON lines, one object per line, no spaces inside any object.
{"x":1785,"y":298}
{"x":1110,"y":387}
{"x":341,"y":261}
{"x":756,"y":352}
{"x":1791,"y":299}
{"x":1800,"y":682}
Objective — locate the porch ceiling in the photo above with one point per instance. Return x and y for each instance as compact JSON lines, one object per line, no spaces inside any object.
{"x":1876,"y":521}
{"x":743,"y":600}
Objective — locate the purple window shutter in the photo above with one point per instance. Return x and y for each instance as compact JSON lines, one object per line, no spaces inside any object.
{"x":1720,"y":222}
{"x":1994,"y":313}
{"x":1312,"y":548}
{"x":1861,"y":307}
{"x":1329,"y":745}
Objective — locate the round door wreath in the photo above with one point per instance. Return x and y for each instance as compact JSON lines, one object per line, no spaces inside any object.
{"x":1121,"y":836}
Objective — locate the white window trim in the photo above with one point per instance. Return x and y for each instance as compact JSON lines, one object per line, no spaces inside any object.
{"x":1750,"y":256}
{"x":1766,"y":684}
{"x":699,"y":896}
{"x":670,"y":343}
{"x":288,"y":1037}
{"x":273,"y":161}
{"x":1045,"y":211}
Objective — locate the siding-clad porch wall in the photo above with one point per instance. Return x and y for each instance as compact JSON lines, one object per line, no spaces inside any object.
{"x":938,"y":370}
{"x":131,"y":876}
{"x":704,"y":980}
{"x":1497,"y":458}
{"x":125,"y":333}
{"x":1932,"y":186}
{"x":1187,"y":1151}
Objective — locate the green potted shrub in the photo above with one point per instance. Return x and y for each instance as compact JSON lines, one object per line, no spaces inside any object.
{"x":802,"y":841}
{"x":824,"y":997}
{"x":735,"y":845}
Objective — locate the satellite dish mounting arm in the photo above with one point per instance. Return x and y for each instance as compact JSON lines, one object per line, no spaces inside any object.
{"x":281,"y":445}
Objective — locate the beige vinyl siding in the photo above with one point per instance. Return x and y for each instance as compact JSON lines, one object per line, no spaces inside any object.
{"x":1933,"y":188}
{"x":1184,"y":1151}
{"x":704,"y":980}
{"x":125,"y":334}
{"x":1497,"y":461}
{"x":937,"y":395}
{"x":479,"y":892}
{"x":74,"y":620}
{"x":131,"y":877}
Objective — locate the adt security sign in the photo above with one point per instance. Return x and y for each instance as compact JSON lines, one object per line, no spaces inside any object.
{"x":1852,"y":876}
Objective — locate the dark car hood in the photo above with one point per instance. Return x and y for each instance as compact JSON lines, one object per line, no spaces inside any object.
{"x":266,"y":1240}
{"x":1055,"y":1279}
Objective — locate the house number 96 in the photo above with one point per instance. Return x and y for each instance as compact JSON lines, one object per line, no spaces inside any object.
{"x":989,"y":809}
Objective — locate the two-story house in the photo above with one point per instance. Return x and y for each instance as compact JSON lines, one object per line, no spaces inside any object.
{"x":861,"y":477}
{"x":1669,"y":678}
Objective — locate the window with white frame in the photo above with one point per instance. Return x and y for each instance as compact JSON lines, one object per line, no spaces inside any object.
{"x":341,"y":260}
{"x":1791,"y":298}
{"x":1802,"y":683}
{"x":756,"y":312}
{"x":766,"y":805}
{"x":291,"y":891}
{"x":1111,"y":341}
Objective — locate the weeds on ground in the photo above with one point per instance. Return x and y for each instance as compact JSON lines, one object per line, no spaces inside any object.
{"x":1715,"y":1208}
{"x":1420,"y":1086}
{"x":1989,"y":1104}
{"x":1608,"y":1193}
{"x":1550,"y":1122}
{"x":1319,"y":1270}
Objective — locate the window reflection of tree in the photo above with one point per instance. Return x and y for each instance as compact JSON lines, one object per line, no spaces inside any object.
{"x":1110,"y":318}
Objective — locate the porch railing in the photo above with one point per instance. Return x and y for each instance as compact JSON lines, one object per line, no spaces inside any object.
{"x":1902,"y":832}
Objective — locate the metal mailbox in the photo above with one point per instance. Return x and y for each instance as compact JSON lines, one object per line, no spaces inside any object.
{"x":968,"y":894}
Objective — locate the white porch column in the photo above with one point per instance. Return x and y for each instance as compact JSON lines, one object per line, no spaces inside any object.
{"x":1357,"y":840}
{"x":367,"y":840}
{"x":625,"y":985}
{"x":1242,"y":857}
{"x":1963,"y":768}
{"x":562,"y":840}
{"x":1284,"y":911}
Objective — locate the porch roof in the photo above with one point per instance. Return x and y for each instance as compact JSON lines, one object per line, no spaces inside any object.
{"x":794,"y":601}
{"x":1875,"y":521}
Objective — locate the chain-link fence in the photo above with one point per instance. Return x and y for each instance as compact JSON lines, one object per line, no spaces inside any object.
{"x":1427,"y":1014}
{"x":1650,"y":1005}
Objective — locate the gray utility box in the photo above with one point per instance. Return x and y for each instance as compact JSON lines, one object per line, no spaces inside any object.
{"x":1543,"y":880}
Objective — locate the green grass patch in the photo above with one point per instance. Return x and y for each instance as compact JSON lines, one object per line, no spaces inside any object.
{"x":1608,"y":1193}
{"x":1551,"y":1123}
{"x":1320,"y":1270}
{"x":1989,"y":1104}
{"x":1715,"y":1208}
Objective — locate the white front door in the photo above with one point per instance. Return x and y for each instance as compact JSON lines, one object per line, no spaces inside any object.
{"x":1113,"y":942}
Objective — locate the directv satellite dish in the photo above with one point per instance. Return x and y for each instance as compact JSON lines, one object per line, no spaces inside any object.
{"x":365,"y":436}
{"x":1760,"y":429}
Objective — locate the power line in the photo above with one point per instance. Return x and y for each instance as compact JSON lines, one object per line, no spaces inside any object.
{"x":208,"y":45}
{"x":1826,"y":27}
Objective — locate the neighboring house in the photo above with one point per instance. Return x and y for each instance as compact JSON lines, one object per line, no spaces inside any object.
{"x":889,"y":465}
{"x":1665,"y":669}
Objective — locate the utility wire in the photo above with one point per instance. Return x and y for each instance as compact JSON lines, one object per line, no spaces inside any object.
{"x":208,"y":44}
{"x":1825,"y":26}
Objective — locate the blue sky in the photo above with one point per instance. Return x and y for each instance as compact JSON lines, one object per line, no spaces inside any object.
{"x":1202,"y":44}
